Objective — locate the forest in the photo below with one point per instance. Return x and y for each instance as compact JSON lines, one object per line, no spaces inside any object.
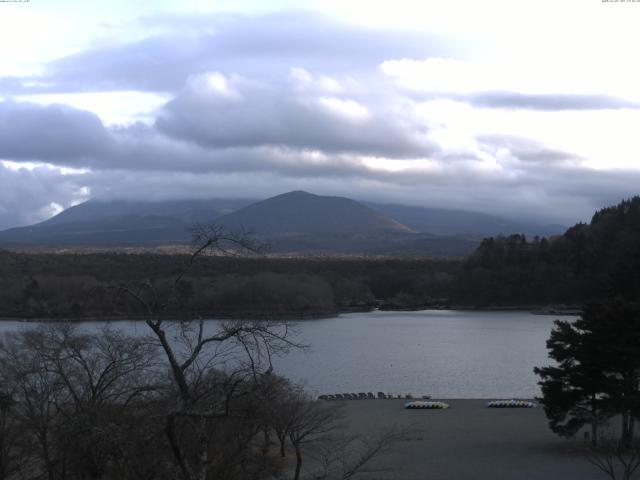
{"x":81,"y":286}
{"x":590,"y":261}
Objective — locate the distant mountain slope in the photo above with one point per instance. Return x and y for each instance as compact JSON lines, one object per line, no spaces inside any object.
{"x":184,"y":210}
{"x":121,"y":223}
{"x":304,"y":213}
{"x":460,"y":222}
{"x":295,"y":222}
{"x":119,"y":230}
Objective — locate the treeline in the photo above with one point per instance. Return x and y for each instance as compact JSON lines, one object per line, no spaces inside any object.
{"x":83,"y":285}
{"x":596,"y":260}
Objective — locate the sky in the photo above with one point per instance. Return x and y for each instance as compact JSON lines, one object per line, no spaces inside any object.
{"x":525,"y":109}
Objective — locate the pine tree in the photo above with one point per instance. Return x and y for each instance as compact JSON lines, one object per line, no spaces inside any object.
{"x":597,"y":375}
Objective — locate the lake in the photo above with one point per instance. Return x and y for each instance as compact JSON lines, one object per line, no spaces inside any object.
{"x":443,"y":353}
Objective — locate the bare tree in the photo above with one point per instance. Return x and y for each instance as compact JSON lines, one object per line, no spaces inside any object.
{"x":96,"y":369}
{"x":310,"y":422}
{"x":278,"y":409}
{"x":12,"y":458}
{"x":36,"y":394}
{"x":316,"y":428}
{"x":346,"y":456}
{"x":72,"y":392}
{"x":192,"y":354}
{"x":101,"y":375}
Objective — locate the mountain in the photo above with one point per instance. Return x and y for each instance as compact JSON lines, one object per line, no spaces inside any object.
{"x":440,"y":221}
{"x":121,"y":223}
{"x":295,"y":222}
{"x":188,"y":211}
{"x":298,"y":212}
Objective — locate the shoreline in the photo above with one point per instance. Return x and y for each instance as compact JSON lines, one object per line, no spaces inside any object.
{"x":560,"y":310}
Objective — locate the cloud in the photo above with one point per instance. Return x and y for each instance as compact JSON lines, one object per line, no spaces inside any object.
{"x":256,"y":45}
{"x":551,"y":102}
{"x":222,"y":112}
{"x":67,"y":137}
{"x":255,"y":106}
{"x":30,"y":195}
{"x":526,"y":150}
{"x":53,"y":132}
{"x":528,"y":194}
{"x":222,"y":150}
{"x":498,"y":86}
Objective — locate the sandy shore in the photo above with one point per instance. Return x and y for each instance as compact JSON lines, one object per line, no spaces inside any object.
{"x":470,"y":441}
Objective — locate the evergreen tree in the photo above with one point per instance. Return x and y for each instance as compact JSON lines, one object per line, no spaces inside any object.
{"x":572,"y":390}
{"x":597,"y":374}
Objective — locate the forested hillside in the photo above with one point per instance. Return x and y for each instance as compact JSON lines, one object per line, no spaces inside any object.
{"x":589,"y":261}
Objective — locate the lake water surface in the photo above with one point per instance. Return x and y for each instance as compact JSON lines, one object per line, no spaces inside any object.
{"x":443,"y":353}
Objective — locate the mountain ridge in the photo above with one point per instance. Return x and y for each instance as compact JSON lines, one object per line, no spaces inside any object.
{"x":297,"y":221}
{"x":300,"y":212}
{"x":440,"y":221}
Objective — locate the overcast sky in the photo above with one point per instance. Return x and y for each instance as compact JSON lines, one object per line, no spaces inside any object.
{"x":527,"y":109}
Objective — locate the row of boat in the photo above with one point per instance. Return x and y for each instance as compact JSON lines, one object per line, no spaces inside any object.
{"x":419,"y":404}
{"x":512,"y":403}
{"x":367,"y":396}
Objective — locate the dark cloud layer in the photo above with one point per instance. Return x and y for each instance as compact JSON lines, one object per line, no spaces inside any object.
{"x":249,"y":115}
{"x":509,"y":100}
{"x":514,"y":100}
{"x":54,"y":132}
{"x":527,"y":150}
{"x":540,"y":194}
{"x":30,"y":195}
{"x":142,"y":162}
